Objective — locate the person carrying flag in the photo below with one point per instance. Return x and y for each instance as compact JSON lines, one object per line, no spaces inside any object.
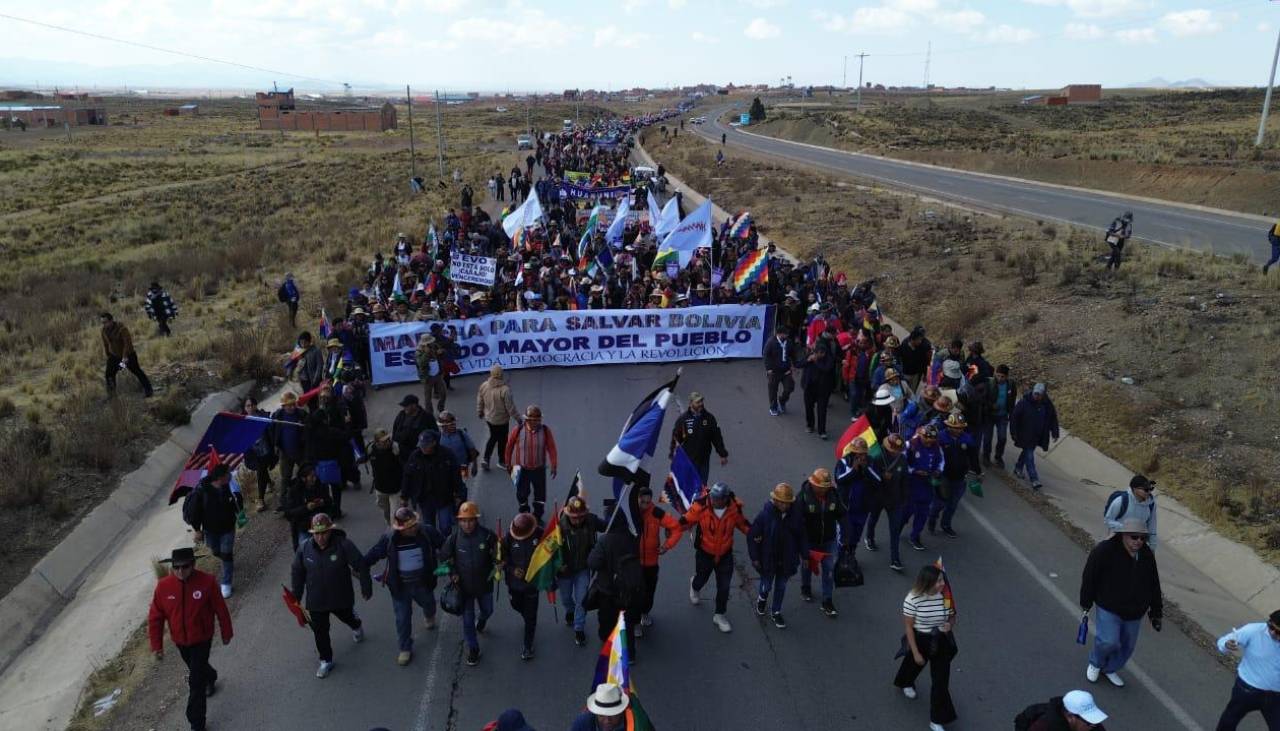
{"x":531,"y":449}
{"x":615,"y":559}
{"x":697,"y":431}
{"x":322,"y":568}
{"x":852,"y":478}
{"x":578,"y":530}
{"x":653,"y":520}
{"x":887,"y":491}
{"x":211,"y":511}
{"x":823,"y":512}
{"x":410,"y":551}
{"x":776,"y":543}
{"x":606,"y":710}
{"x":517,"y":551}
{"x":714,"y":517}
{"x":471,"y":553}
{"x":929,"y":619}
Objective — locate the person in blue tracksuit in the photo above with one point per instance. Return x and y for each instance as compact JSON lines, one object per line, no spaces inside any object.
{"x":960,"y":457}
{"x":851,"y":486}
{"x":776,"y":544}
{"x":925,"y":463}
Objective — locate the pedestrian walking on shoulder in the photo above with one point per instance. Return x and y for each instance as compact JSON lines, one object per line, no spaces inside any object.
{"x":322,"y":570}
{"x":1074,"y":711}
{"x":579,"y":528}
{"x":929,"y":625}
{"x":714,"y":517}
{"x":1117,"y":236}
{"x":823,"y":513}
{"x":517,"y":551}
{"x":410,"y":550}
{"x":1002,"y":395}
{"x":1136,"y":503}
{"x":187,"y":599}
{"x":288,"y":294}
{"x":117,"y":343}
{"x":1273,"y":237}
{"x":698,"y":432}
{"x":1257,"y":686}
{"x":159,"y":306}
{"x":211,"y":511}
{"x":495,"y":405}
{"x":1122,"y":579}
{"x":1033,"y":423}
{"x":532,"y":449}
{"x":653,"y":521}
{"x":778,"y":363}
{"x":776,"y":544}
{"x":471,"y":553}
{"x":619,"y":580}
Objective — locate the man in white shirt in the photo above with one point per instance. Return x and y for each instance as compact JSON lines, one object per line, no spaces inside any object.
{"x":1257,"y":686}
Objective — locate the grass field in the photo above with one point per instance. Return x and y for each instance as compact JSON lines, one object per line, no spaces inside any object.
{"x":217,"y":211}
{"x":1195,"y":333}
{"x":1195,"y":147}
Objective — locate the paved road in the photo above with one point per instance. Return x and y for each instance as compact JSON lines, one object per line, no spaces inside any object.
{"x":1160,"y":223}
{"x":1014,"y":574}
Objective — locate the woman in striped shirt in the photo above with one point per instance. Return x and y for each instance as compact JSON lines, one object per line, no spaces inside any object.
{"x":928,"y":619}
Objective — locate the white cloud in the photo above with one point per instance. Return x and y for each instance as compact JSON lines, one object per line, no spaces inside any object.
{"x":761,"y":29}
{"x":700,"y":37}
{"x":913,"y":6}
{"x":961,"y":21}
{"x":611,"y":37}
{"x":766,"y":4}
{"x":1136,"y":35}
{"x":1097,"y":8}
{"x":1005,"y":33}
{"x":631,"y":7}
{"x":1264,"y":27}
{"x":880,"y":20}
{"x":677,"y":4}
{"x":527,"y":29}
{"x":442,"y":6}
{"x":1197,"y":22}
{"x":1083,"y":32}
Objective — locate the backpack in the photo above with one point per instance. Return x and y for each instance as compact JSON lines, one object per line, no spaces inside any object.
{"x":282,"y":294}
{"x":260,"y":455}
{"x":1123,"y":497}
{"x":629,"y":578}
{"x":1029,"y":715}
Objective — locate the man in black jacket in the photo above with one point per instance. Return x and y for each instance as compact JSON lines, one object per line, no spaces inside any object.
{"x":1121,"y":577}
{"x":517,"y":551}
{"x":410,"y":551}
{"x":697,"y":432}
{"x":913,"y":356}
{"x":211,"y":511}
{"x":823,"y":513}
{"x":321,"y":579}
{"x":578,"y":530}
{"x":432,"y":482}
{"x":472,"y":555}
{"x":305,"y":497}
{"x":410,"y":422}
{"x":778,"y":362}
{"x":619,"y":581}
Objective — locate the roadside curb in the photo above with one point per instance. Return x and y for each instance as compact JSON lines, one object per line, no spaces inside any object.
{"x":1232,"y":567}
{"x":37,"y":600}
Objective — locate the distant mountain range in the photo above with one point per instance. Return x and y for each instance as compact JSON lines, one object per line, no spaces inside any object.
{"x":1160,"y":83}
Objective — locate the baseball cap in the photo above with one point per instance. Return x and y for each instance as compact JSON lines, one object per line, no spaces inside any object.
{"x":1081,"y":704}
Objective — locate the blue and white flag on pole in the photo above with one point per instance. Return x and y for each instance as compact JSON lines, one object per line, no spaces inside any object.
{"x":668,"y":219}
{"x":614,"y":235}
{"x":684,"y":483}
{"x":639,"y":437}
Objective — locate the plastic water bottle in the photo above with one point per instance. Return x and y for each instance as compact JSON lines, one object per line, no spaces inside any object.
{"x":1082,"y":632}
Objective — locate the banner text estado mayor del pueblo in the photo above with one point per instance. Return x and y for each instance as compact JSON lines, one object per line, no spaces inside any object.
{"x":574,"y":338}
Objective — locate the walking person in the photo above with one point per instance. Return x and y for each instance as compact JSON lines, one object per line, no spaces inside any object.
{"x":429,"y":358}
{"x":495,"y":405}
{"x":117,"y":344}
{"x":159,"y":306}
{"x":823,"y":513}
{"x":305,"y":498}
{"x":714,"y":517}
{"x":1118,"y":234}
{"x":653,"y":520}
{"x":517,"y":551}
{"x":606,"y":710}
{"x":778,"y":362}
{"x":619,"y":580}
{"x":1136,"y":503}
{"x":471,"y":553}
{"x":697,"y":432}
{"x":432,"y":482}
{"x":776,"y":543}
{"x":387,"y":471}
{"x":818,"y":379}
{"x":1273,"y":237}
{"x":410,"y":551}
{"x":1002,"y":395}
{"x":1073,"y":711}
{"x":959,"y":459}
{"x":1122,"y":579}
{"x":531,"y":448}
{"x":925,"y":462}
{"x":310,"y":364}
{"x":289,"y":441}
{"x":288,"y":294}
{"x":187,"y":601}
{"x":578,"y":530}
{"x":852,"y":477}
{"x":1033,"y":423}
{"x":1257,"y":686}
{"x":929,"y":625}
{"x":321,"y":579}
{"x":211,"y":509}
{"x":887,"y":492}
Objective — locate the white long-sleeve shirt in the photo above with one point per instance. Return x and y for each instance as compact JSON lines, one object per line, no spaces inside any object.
{"x":1260,"y":656}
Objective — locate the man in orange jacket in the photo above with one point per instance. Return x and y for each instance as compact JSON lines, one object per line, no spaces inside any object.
{"x":655,"y":519}
{"x":714,"y":518}
{"x":189,"y":600}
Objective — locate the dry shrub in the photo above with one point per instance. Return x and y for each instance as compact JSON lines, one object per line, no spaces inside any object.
{"x":25,"y":464}
{"x":250,"y":351}
{"x":1070,"y":273}
{"x":7,"y":407}
{"x":171,"y":408}
{"x":95,"y":436}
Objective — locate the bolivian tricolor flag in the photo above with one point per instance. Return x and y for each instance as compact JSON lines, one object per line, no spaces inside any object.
{"x":858,"y":429}
{"x":546,"y":559}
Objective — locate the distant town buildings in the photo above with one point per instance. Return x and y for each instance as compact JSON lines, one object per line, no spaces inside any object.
{"x":1070,"y":94}
{"x":54,"y":116}
{"x":276,"y":110}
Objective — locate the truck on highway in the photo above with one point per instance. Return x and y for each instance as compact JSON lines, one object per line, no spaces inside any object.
{"x":524,"y":142}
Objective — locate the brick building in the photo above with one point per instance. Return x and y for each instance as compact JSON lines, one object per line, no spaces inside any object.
{"x":276,"y":110}
{"x":54,"y":116}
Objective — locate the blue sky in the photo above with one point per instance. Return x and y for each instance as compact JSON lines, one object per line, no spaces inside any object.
{"x":520,"y":44}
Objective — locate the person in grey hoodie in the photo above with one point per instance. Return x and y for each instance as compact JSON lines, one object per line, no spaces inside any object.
{"x":1138,"y":503}
{"x":322,"y":570}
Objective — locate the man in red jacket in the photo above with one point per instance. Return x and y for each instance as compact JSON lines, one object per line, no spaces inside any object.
{"x":189,"y":600}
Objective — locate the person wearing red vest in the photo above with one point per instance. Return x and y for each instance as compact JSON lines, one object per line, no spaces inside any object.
{"x":189,"y":600}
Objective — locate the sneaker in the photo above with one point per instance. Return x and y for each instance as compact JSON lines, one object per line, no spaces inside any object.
{"x":915,"y":544}
{"x":1115,"y":679}
{"x":568,"y":618}
{"x":403,"y":658}
{"x":1036,"y":485}
{"x":646,"y":620}
{"x":484,"y":465}
{"x":782,"y":408}
{"x":324,"y":669}
{"x":896,"y":566}
{"x":950,"y":532}
{"x":773,"y":411}
{"x":762,"y":605}
{"x":870,"y":543}
{"x":1017,"y":472}
{"x":829,"y":608}
{"x":694,"y":599}
{"x":473,"y":656}
{"x":226,"y":591}
{"x":1092,"y":672}
{"x":778,"y":621}
{"x":822,"y":436}
{"x":721,"y":623}
{"x":808,"y":430}
{"x":357,"y":634}
{"x":580,"y":638}
{"x":526,"y":653}
{"x":806,"y":593}
{"x":909,"y":692}
{"x":936,"y":726}
{"x":430,"y":622}
{"x":481,"y":624}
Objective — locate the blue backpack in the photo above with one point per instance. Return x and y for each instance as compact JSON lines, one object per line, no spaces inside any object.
{"x":1123,"y":497}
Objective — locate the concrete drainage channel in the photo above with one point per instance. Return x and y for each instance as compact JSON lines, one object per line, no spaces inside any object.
{"x":32,"y":605}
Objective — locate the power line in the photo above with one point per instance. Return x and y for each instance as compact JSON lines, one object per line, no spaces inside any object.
{"x":149,"y":47}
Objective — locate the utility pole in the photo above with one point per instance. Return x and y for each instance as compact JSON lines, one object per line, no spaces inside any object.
{"x":861,"y":56}
{"x":439,"y":135}
{"x":413,"y":154}
{"x":844,"y":73}
{"x":1266,"y":102}
{"x":928,"y":55}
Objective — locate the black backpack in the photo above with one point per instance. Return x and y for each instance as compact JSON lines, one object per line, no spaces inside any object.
{"x":1030,"y":715}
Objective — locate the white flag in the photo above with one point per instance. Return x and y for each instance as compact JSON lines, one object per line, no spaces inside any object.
{"x":655,"y":212}
{"x":668,"y":219}
{"x":528,"y":214}
{"x":614,"y":234}
{"x":693,"y":233}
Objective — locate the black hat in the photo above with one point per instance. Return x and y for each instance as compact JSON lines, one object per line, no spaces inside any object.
{"x":181,"y":557}
{"x":409,"y":399}
{"x":1141,"y":482}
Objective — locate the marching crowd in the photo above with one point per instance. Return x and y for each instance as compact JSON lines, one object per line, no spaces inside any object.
{"x":926,"y":424}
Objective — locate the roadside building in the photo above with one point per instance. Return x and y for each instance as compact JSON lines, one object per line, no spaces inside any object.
{"x":54,"y":116}
{"x":277,"y":110}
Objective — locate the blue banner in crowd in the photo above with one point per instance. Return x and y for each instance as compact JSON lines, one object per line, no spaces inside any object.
{"x":583,"y":191}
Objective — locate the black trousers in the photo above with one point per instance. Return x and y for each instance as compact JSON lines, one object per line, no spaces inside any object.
{"x":938,"y":651}
{"x":788,"y":384}
{"x":526,"y":605}
{"x":163,"y":325}
{"x":610,"y":607}
{"x":1117,"y":250}
{"x":650,"y":587}
{"x":497,"y":438}
{"x":293,"y":313}
{"x":704,"y":565}
{"x":200,"y":675}
{"x":130,"y":362}
{"x":816,"y":400}
{"x":320,"y":628}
